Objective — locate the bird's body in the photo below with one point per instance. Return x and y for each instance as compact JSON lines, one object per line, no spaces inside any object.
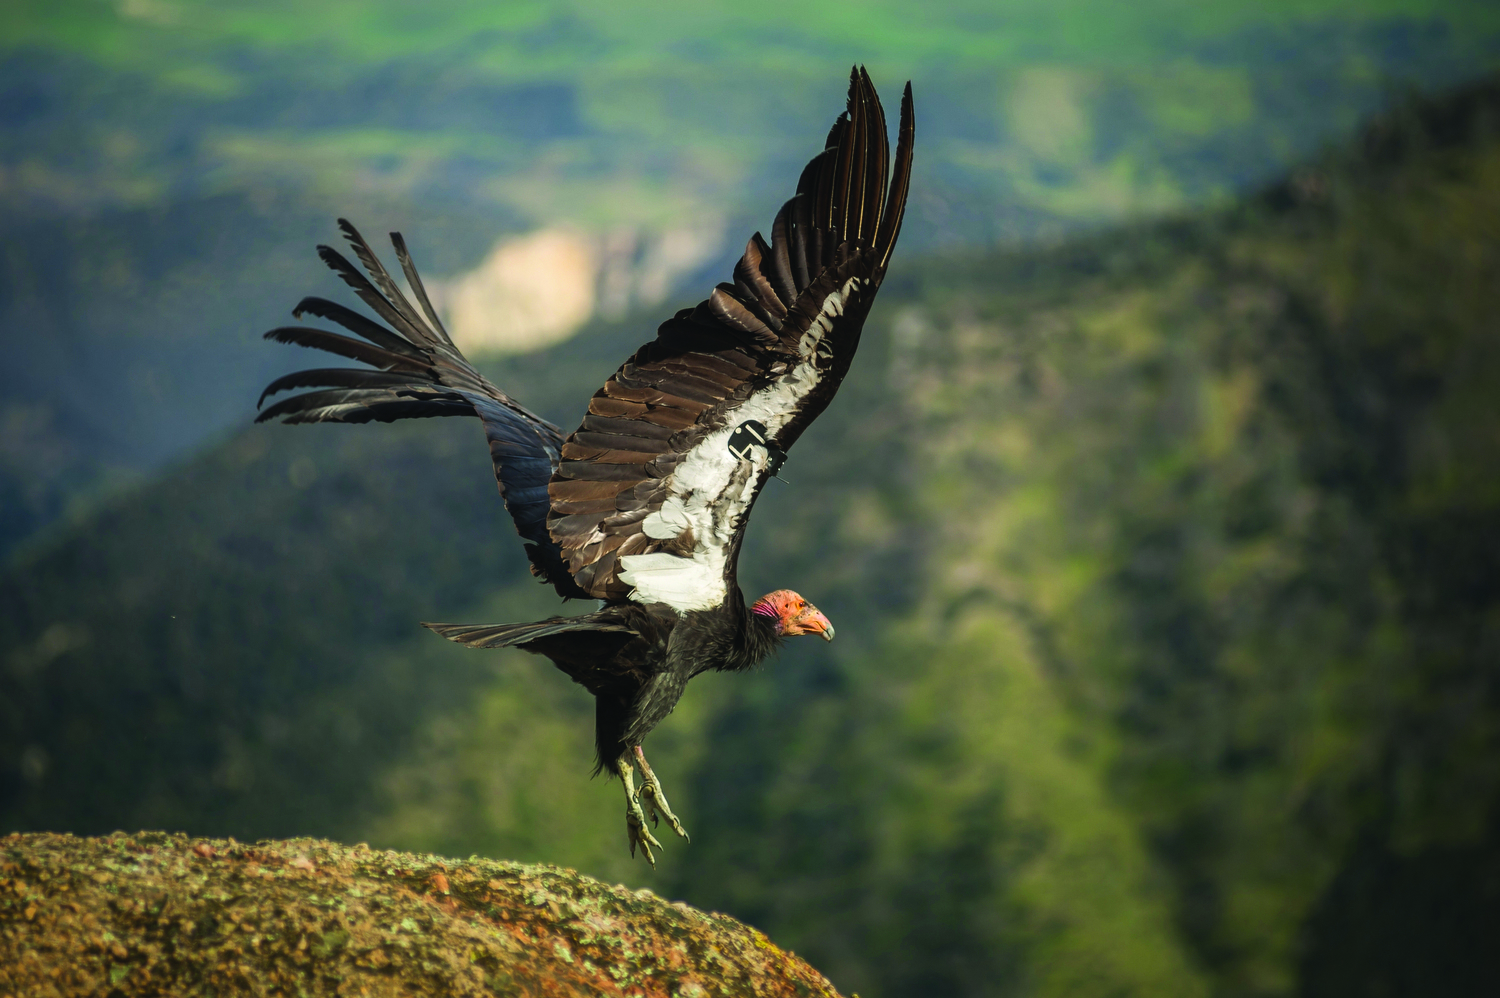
{"x":636,"y":660}
{"x":644,"y":506}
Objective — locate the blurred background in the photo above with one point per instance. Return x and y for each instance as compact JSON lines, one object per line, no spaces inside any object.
{"x":1159,"y":517}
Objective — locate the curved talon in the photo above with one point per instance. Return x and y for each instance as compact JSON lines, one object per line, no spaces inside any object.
{"x":656,"y":804}
{"x":636,"y":831}
{"x":655,"y":797}
{"x":640,"y":835}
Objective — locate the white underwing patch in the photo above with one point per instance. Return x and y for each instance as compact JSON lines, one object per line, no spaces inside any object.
{"x":711,"y":488}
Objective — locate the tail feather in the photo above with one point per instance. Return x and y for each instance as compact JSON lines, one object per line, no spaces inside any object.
{"x":519,"y":635}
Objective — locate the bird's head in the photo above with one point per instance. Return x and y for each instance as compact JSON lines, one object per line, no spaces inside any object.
{"x":792,"y":615}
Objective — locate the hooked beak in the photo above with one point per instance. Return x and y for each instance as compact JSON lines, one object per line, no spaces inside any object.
{"x":812,"y":621}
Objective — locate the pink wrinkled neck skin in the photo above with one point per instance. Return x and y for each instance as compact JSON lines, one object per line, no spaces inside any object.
{"x":763,"y":608}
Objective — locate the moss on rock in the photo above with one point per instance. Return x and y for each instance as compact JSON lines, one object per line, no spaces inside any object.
{"x":159,"y":914}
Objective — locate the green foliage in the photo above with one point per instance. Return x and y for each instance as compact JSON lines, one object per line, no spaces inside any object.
{"x":965,"y":30}
{"x":1163,"y":568}
{"x":1096,"y":110}
{"x":165,"y":164}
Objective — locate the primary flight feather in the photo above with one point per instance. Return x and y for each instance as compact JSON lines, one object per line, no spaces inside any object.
{"x":644,"y":506}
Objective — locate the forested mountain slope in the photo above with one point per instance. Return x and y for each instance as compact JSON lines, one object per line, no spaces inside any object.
{"x":1163,"y":569}
{"x":165,"y":165}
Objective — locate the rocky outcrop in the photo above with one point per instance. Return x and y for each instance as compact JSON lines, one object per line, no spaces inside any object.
{"x":166,"y":915}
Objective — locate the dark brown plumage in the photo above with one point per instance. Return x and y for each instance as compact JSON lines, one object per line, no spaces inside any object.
{"x":644,"y":506}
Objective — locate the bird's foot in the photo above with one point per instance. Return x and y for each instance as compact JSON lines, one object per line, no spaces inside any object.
{"x":655,"y":798}
{"x":636,"y":831}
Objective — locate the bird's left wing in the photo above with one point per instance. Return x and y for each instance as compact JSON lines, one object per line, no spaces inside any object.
{"x":652,"y":493}
{"x":418,"y":372}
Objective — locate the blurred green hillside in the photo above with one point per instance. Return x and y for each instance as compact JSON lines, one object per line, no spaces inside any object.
{"x":165,"y":164}
{"x":1083,"y":110}
{"x":1163,"y":562}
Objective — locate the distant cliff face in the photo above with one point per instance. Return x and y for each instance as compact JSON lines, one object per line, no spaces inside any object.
{"x":168,"y":915}
{"x":538,"y":289}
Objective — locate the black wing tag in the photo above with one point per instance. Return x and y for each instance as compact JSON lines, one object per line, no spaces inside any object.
{"x":751,"y":434}
{"x":746,"y":436}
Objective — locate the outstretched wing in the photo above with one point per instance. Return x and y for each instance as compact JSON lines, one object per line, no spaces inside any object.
{"x":653,"y":491}
{"x":419,"y":373}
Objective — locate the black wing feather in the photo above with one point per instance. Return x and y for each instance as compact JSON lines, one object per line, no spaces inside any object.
{"x":356,"y":323}
{"x":890,"y":226}
{"x":580,"y":503}
{"x":414,"y":326}
{"x":344,"y":346}
{"x":341,"y":377}
{"x":832,"y":238}
{"x":422,"y":374}
{"x":361,"y":405}
{"x":414,"y":281}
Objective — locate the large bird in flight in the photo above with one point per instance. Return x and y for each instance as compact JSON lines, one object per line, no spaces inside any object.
{"x":644,"y":506}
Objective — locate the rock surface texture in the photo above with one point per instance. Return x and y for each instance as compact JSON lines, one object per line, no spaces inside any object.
{"x":167,"y":915}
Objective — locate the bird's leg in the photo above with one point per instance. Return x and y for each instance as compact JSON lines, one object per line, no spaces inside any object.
{"x":635,"y":818}
{"x":656,"y":800}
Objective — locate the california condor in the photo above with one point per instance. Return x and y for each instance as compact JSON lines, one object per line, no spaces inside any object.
{"x":644,"y":506}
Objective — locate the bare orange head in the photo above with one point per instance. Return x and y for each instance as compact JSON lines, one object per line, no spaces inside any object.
{"x":793,"y":614}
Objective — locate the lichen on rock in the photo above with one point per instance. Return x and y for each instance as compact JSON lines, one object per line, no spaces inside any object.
{"x":160,"y":914}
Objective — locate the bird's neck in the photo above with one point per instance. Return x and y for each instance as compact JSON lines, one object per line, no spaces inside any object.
{"x":760,"y":637}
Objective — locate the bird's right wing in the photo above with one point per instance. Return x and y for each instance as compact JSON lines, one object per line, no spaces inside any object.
{"x":419,"y":373}
{"x":655,"y":487}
